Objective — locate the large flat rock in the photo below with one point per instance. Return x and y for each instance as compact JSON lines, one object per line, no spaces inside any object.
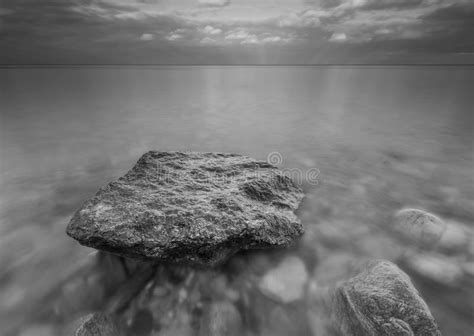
{"x":195,"y":208}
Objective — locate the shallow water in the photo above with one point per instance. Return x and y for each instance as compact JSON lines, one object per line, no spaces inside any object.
{"x":381,"y":138}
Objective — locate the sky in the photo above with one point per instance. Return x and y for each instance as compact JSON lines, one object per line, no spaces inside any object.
{"x":236,"y":32}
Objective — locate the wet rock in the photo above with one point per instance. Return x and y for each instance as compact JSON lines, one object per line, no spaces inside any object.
{"x":419,"y":227}
{"x":286,"y":282}
{"x":382,"y":301}
{"x":221,"y":319}
{"x":196,"y":208}
{"x":98,"y":324}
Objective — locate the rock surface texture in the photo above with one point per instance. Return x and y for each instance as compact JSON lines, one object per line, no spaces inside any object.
{"x":98,"y":325}
{"x":420,"y":227}
{"x":382,"y":301}
{"x":194,"y":208}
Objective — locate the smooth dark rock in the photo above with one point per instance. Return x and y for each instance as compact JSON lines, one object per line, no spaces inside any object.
{"x":195,"y":208}
{"x":382,"y":301}
{"x":98,"y":324}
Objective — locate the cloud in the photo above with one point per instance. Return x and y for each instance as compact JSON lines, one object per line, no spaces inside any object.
{"x":131,"y":16}
{"x":173,"y":36}
{"x":272,"y":39}
{"x":383,"y":31}
{"x":245,"y":37}
{"x":209,"y":30}
{"x":307,"y":18}
{"x":108,"y":31}
{"x":388,"y":4}
{"x":324,"y":3}
{"x":214,"y":3}
{"x":208,"y":40}
{"x":253,"y":39}
{"x":242,"y":36}
{"x":147,"y":37}
{"x":338,"y":37}
{"x":238,"y":34}
{"x":454,"y":14}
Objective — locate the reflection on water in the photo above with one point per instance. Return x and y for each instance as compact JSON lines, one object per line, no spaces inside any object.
{"x":382,"y":138}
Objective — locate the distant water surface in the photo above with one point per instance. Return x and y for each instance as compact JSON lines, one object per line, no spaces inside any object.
{"x":67,"y":131}
{"x":58,"y":120}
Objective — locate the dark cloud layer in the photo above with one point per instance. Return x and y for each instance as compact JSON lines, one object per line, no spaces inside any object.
{"x":321,"y":32}
{"x":390,"y":4}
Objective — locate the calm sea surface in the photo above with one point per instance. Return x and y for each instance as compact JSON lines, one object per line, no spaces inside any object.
{"x":382,"y":138}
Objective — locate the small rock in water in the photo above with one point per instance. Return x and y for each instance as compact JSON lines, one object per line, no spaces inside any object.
{"x":382,"y":301}
{"x":436,"y":267}
{"x":456,"y":238}
{"x":98,"y":324}
{"x":194,"y":208}
{"x":419,"y":227}
{"x":221,"y":319}
{"x":286,"y":282}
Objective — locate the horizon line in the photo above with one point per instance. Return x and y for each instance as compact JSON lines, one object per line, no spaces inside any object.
{"x":91,"y":65}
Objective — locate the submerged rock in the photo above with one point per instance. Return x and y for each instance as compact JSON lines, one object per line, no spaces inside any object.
{"x":221,"y":319}
{"x":382,"y":301}
{"x":286,"y":282}
{"x":419,"y":227}
{"x":435,"y":267}
{"x":196,"y":208}
{"x":457,"y":239}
